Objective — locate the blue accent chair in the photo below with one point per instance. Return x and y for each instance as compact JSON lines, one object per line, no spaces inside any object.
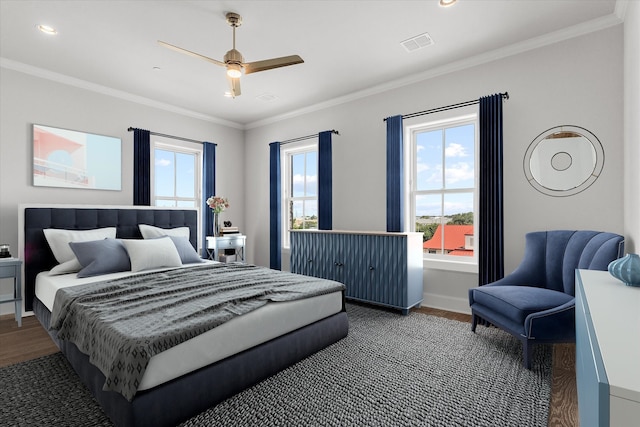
{"x":536,"y":302}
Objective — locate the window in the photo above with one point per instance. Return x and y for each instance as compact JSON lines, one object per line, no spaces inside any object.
{"x":176,"y":175}
{"x":300,"y":195}
{"x":443,"y":187}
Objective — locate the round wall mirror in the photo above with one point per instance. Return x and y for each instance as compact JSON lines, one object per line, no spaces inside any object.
{"x":563,"y":161}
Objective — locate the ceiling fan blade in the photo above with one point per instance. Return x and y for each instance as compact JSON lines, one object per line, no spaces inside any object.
{"x":234,"y":84}
{"x":268,"y":64}
{"x":188,"y":52}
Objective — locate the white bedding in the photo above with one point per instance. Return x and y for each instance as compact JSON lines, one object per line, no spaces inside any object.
{"x":239,"y":334}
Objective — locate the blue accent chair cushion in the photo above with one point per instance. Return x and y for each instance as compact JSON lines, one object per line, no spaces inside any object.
{"x":536,"y":302}
{"x":517,"y":302}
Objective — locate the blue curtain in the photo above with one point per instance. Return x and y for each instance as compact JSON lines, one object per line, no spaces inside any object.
{"x":275,"y":214}
{"x":395,"y":174}
{"x":208,"y":189}
{"x":325,"y":189}
{"x":141,"y":167}
{"x":491,"y":227}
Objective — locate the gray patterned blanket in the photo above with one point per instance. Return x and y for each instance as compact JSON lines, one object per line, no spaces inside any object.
{"x":122,"y":323}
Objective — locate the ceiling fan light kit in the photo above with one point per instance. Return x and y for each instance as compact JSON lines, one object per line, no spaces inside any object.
{"x":234,"y":62}
{"x":234,"y":71}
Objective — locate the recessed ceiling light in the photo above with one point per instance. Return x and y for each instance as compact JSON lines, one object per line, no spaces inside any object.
{"x":47,"y":29}
{"x":447,"y":3}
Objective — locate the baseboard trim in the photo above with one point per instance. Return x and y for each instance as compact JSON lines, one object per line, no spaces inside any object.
{"x":443,"y":302}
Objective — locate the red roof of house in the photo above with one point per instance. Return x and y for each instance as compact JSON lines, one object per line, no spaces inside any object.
{"x":461,"y":252}
{"x":453,"y":238}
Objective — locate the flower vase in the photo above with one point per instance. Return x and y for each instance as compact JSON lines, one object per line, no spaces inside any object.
{"x":216,"y":225}
{"x":626,"y":269}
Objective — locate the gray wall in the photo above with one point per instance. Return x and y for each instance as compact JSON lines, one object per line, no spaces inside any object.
{"x":27,"y":99}
{"x":577,"y":82}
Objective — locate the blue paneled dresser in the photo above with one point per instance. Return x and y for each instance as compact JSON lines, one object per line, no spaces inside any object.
{"x":376,"y":267}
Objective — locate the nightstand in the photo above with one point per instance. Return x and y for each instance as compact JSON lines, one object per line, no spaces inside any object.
{"x":11,"y":268}
{"x":217,"y":245}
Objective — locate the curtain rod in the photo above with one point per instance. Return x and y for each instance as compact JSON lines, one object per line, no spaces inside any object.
{"x":447,"y":107}
{"x":302,"y":138}
{"x":131,"y":129}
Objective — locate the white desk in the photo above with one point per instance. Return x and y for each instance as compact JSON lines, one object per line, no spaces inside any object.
{"x":607,"y":350}
{"x":217,"y":245}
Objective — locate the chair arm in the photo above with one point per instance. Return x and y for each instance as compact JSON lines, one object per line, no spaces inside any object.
{"x":558,"y":323}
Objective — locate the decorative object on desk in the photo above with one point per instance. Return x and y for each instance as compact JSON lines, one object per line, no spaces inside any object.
{"x":217,"y":205}
{"x":229,"y":230}
{"x":4,"y":251}
{"x":626,"y":269}
{"x":216,"y":225}
{"x":228,"y":257}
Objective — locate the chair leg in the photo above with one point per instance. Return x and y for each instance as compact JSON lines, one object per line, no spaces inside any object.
{"x":527,"y":353}
{"x":474,"y":322}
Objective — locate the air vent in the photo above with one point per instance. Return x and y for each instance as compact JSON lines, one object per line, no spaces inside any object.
{"x":417,"y":42}
{"x":267,"y":97}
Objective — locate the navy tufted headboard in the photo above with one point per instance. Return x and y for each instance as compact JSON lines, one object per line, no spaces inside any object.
{"x":38,"y":256}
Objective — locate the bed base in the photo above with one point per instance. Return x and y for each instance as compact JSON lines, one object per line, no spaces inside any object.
{"x":178,"y":400}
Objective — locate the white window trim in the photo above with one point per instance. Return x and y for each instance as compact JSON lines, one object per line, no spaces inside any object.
{"x":448,"y":118}
{"x":285,"y":185}
{"x":183,"y":147}
{"x":179,"y":147}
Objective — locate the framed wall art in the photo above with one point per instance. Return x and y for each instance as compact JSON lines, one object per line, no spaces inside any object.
{"x":73,"y":159}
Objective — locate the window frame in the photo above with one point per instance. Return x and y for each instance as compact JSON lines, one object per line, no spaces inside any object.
{"x":462,"y":116}
{"x":286,"y":154}
{"x":183,"y":148}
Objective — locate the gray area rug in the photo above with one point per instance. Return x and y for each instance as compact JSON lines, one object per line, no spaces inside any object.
{"x":391,"y":370}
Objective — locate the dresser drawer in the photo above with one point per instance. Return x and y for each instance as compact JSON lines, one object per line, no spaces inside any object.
{"x":230,"y":242}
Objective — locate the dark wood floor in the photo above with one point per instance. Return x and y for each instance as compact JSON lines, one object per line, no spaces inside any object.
{"x":31,"y":341}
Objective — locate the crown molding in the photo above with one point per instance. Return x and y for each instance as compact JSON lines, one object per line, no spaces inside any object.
{"x":514,"y":49}
{"x":616,"y":18}
{"x":83,"y":84}
{"x":621,"y":9}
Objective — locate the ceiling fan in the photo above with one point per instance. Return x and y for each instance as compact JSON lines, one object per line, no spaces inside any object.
{"x":234,"y":62}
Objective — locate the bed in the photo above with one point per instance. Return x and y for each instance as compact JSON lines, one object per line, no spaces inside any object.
{"x":194,"y":375}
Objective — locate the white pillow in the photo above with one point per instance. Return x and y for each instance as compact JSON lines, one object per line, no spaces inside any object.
{"x":151,"y":232}
{"x":59,"y":239}
{"x":72,"y":266}
{"x":150,"y":254}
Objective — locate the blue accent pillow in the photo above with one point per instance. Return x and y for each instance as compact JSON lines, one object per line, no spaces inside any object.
{"x":188,"y":255}
{"x":99,"y":257}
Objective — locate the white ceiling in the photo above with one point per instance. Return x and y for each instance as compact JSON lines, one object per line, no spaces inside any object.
{"x":350,"y":48}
